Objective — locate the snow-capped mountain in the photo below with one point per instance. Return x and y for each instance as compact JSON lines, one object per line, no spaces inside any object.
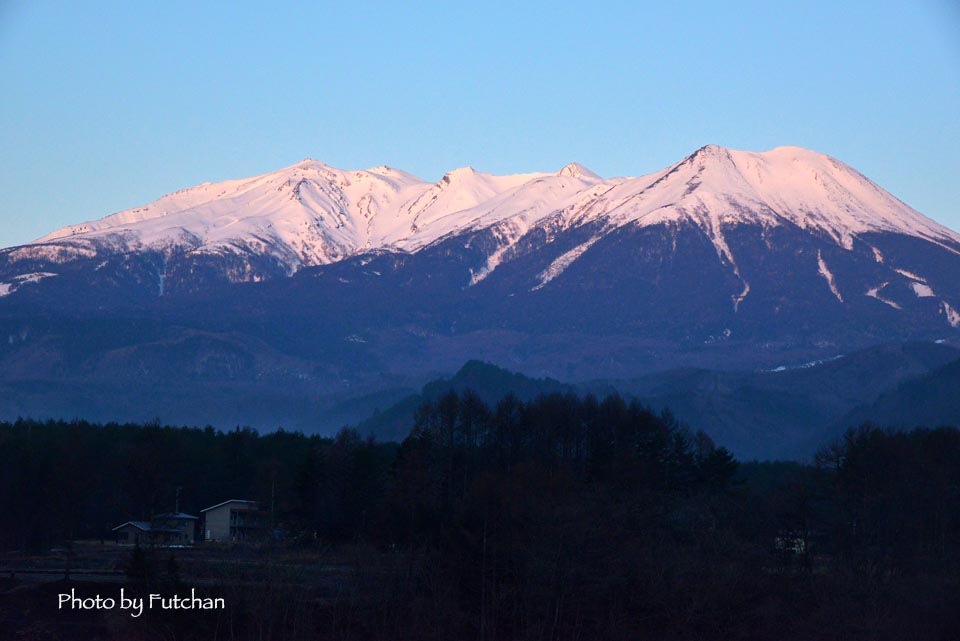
{"x":312,"y":280}
{"x":322,"y":214}
{"x":312,"y":214}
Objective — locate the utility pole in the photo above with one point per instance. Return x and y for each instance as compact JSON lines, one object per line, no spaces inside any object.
{"x":176,"y":509}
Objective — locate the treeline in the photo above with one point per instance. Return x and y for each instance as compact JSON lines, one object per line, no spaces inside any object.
{"x":559,"y":518}
{"x":76,"y":480}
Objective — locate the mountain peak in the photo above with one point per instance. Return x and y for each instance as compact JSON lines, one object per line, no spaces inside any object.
{"x":309,"y":164}
{"x":709,"y":151}
{"x":577,"y":170}
{"x":708,"y":157}
{"x":791,"y":149}
{"x":461,"y":171}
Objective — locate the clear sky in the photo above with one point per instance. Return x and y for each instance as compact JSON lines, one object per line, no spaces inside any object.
{"x":109,"y":105}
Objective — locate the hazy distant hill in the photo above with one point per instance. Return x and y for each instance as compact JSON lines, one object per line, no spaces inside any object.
{"x":770,"y":414}
{"x":489,"y":382}
{"x":780,"y":414}
{"x":930,"y":400}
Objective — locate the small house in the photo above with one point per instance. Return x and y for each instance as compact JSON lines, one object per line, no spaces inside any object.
{"x":170,"y":528}
{"x":133,"y":532}
{"x":235,"y":520}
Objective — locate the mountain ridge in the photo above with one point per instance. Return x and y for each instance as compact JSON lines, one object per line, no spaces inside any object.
{"x":310,"y":213}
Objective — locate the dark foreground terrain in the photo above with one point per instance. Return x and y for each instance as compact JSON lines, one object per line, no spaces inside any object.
{"x":555,"y":518}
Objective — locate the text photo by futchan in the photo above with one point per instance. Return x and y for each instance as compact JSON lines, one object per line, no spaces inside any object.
{"x":136,"y":605}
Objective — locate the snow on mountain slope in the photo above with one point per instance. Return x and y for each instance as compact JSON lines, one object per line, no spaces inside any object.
{"x":715,"y":187}
{"x":459,"y":190}
{"x":522,"y":205}
{"x":310,"y":213}
{"x":18,"y":281}
{"x":816,"y":191}
{"x":313,"y":214}
{"x":305,"y":214}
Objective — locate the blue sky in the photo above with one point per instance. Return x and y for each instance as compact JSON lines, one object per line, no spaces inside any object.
{"x":109,"y":105}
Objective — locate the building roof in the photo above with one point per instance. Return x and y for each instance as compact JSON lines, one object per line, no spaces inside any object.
{"x":147,"y":527}
{"x":248,"y":504}
{"x":140,"y":525}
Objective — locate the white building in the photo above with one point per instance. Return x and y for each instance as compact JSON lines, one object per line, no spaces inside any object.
{"x":234,"y":520}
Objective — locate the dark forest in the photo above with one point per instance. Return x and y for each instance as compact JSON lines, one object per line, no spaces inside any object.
{"x":558,"y":518}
